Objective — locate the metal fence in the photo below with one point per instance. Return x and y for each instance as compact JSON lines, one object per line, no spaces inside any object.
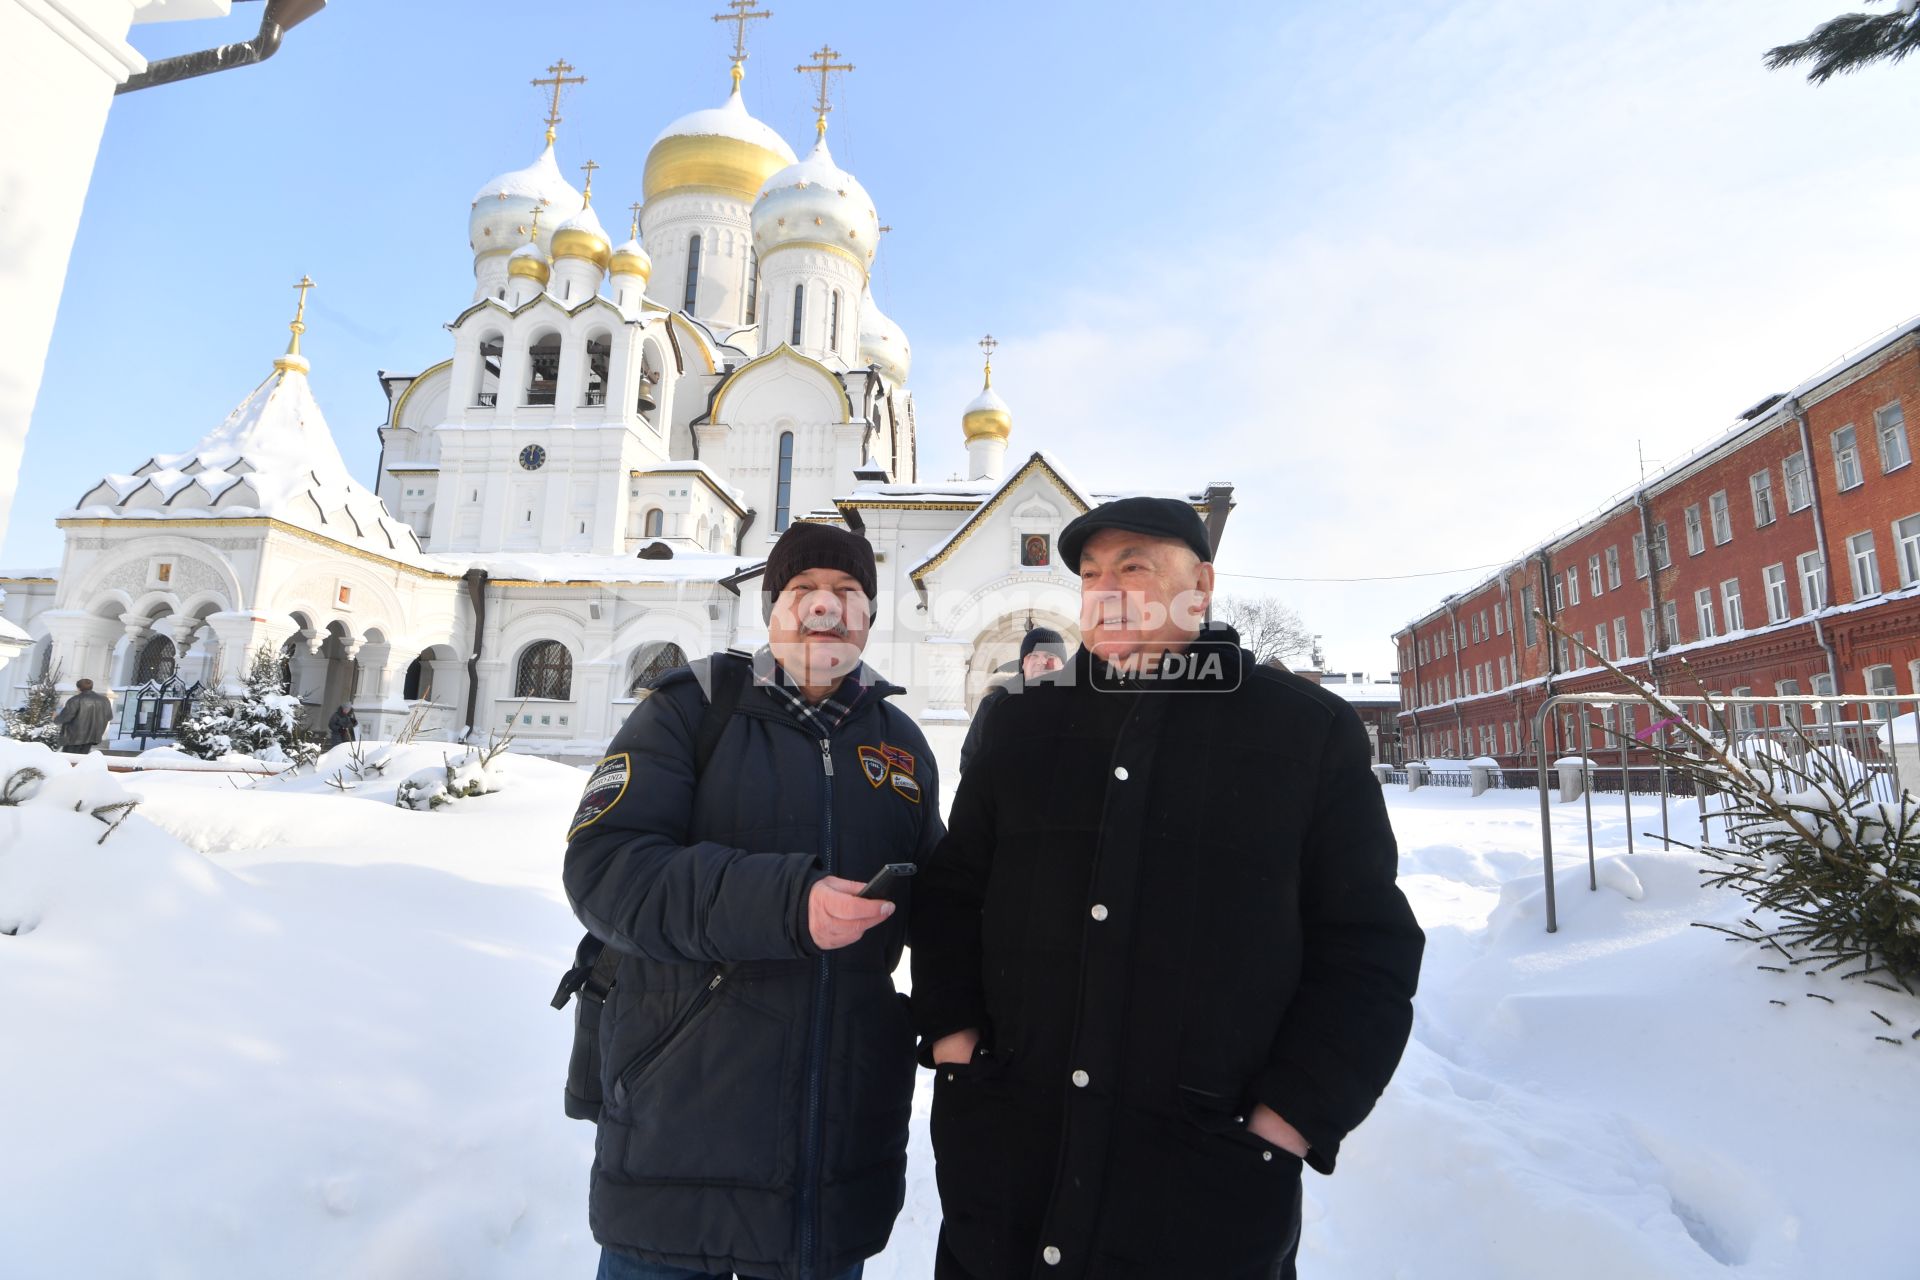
{"x":1616,"y":733}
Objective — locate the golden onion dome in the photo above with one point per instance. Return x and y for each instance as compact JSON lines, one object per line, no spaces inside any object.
{"x":632,"y":259}
{"x":582,"y":236}
{"x":720,"y":149}
{"x":988,"y":417}
{"x":528,"y":262}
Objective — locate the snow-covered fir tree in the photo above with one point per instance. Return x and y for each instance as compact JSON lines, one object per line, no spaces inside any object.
{"x":34,"y":720}
{"x":263,"y":722}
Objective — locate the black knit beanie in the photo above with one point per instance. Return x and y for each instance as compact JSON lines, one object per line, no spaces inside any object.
{"x":806,"y":545}
{"x":1043,"y":638}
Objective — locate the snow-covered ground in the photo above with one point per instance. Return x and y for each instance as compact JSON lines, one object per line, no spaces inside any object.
{"x":287,"y":1030}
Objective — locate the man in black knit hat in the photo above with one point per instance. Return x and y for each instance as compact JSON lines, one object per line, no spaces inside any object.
{"x":756,"y":1063}
{"x":1043,"y":651}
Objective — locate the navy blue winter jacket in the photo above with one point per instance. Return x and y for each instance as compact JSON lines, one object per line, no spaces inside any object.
{"x":757,"y":1091}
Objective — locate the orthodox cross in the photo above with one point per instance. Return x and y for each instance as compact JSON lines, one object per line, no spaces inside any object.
{"x":634,"y":234}
{"x":299,"y":325}
{"x":823,"y":65}
{"x":533,"y":232}
{"x":588,"y":169}
{"x":744,"y":11}
{"x":988,"y":345}
{"x":559,"y":80}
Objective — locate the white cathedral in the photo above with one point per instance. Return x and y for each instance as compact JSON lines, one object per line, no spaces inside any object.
{"x":584,"y":491}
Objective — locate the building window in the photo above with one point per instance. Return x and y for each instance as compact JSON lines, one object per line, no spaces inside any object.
{"x":1890,"y":425}
{"x":1593,"y":572}
{"x":1761,"y":486}
{"x":1865,"y":565}
{"x":1526,"y":614}
{"x":1703,"y":611}
{"x":1730,"y":604}
{"x":1670,"y":623}
{"x":649,"y":663}
{"x":487,"y":394}
{"x":1639,"y":555}
{"x":1662,"y":554}
{"x":833,"y":323}
{"x":1573,"y":586}
{"x":1778,"y":607}
{"x":545,"y":671}
{"x":690,"y":301}
{"x":1823,"y":688}
{"x":1880,"y":685}
{"x":783,"y":490}
{"x":543,"y":370}
{"x":1743,"y":712}
{"x":1499,"y":621}
{"x":1600,"y":643}
{"x":753,"y":285}
{"x":1613,"y":568}
{"x":1846,"y":460}
{"x":1799,"y":490}
{"x":1559,"y":598}
{"x":1722,"y":518}
{"x":1906,"y":549}
{"x":799,"y":311}
{"x":599,"y":357}
{"x":1789,"y":715}
{"x":1620,"y":637}
{"x":655,"y":523}
{"x":1696,"y":535}
{"x":156,"y":661}
{"x":1813,"y":582}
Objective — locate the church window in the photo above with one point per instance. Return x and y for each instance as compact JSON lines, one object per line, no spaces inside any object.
{"x":693,"y":274}
{"x":546,"y":671}
{"x":753,"y":285}
{"x":656,"y":523}
{"x":599,"y":356}
{"x":156,"y":660}
{"x":650,"y":662}
{"x":799,"y":310}
{"x":783,"y":492}
{"x":543,"y":370}
{"x":833,"y":324}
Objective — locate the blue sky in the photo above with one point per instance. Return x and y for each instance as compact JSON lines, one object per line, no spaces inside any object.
{"x":1418,"y":278}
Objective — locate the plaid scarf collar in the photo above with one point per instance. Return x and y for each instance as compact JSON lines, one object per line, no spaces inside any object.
{"x":821,"y":718}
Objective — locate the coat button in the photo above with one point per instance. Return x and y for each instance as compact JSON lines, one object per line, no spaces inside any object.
{"x":1099,"y":911}
{"x":1266,"y":1155}
{"x":1120,"y":772}
{"x":1081,"y":1079}
{"x":1052,"y":1256}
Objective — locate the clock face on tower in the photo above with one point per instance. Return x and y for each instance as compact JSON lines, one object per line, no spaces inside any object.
{"x":533,"y":457}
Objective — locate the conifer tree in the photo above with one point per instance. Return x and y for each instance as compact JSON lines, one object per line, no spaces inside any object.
{"x":1852,"y":41}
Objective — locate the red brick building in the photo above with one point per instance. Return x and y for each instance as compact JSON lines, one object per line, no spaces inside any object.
{"x":1782,"y":558}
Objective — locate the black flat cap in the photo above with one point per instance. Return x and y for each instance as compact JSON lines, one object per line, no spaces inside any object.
{"x":1160,"y":517}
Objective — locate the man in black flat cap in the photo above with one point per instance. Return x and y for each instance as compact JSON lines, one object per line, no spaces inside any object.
{"x":756,"y":1061}
{"x":1042,"y":652}
{"x":1160,"y":959}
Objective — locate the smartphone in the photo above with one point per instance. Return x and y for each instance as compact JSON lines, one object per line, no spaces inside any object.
{"x":889,"y":882}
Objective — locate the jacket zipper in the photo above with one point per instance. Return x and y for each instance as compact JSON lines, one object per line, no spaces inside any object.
{"x":809,"y":1206}
{"x":701,"y":998}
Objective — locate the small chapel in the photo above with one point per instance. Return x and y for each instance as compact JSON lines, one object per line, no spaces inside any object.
{"x":583,"y":492}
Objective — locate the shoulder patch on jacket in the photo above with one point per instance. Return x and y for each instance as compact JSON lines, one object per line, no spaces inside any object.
{"x":906,"y":786}
{"x":605,"y":785}
{"x":874,"y":765}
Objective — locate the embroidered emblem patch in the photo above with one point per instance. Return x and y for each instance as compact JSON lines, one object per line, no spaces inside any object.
{"x":905,"y":785}
{"x":901,"y":760}
{"x":874,"y":765}
{"x":605,"y":785}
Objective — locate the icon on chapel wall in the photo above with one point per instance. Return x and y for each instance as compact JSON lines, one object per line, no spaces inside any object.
{"x":1034,"y":550}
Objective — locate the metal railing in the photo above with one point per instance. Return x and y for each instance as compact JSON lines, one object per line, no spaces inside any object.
{"x":1847,"y":730}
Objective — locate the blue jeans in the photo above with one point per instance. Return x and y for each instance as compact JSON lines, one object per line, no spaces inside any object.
{"x":616,"y":1265}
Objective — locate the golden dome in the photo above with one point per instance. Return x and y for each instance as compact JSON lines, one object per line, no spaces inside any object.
{"x":530,"y":265}
{"x":575,"y":241}
{"x":721,"y":149}
{"x":631,"y":260}
{"x":987,"y":418}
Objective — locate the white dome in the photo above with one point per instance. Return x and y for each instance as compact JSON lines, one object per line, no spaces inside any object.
{"x":816,"y":202}
{"x":503,"y":209}
{"x":883,"y":343}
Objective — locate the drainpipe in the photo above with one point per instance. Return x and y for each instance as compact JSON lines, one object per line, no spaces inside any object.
{"x":1412,"y":701}
{"x":476,"y":580}
{"x":1459,"y":684}
{"x":278,"y":18}
{"x":1793,"y":407}
{"x":1658,"y":640}
{"x":1544,"y":568}
{"x":1513,"y":647}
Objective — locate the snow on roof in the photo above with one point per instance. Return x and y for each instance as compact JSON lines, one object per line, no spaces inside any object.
{"x":690,"y":567}
{"x":706,"y":472}
{"x":541,"y":180}
{"x":1038,"y":459}
{"x":987,"y":399}
{"x":585,"y":220}
{"x":274,"y":457}
{"x":728,"y":120}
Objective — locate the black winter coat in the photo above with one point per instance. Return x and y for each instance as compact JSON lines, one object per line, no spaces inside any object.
{"x":757,"y":1092}
{"x":1160,"y":907}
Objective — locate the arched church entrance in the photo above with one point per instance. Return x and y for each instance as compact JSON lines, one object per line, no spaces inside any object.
{"x":996,"y":648}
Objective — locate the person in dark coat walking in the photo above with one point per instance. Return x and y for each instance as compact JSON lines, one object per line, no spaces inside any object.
{"x":342,"y":725}
{"x":84,"y":719}
{"x":1042,"y":652}
{"x":1160,"y":958}
{"x":757,"y":1063}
